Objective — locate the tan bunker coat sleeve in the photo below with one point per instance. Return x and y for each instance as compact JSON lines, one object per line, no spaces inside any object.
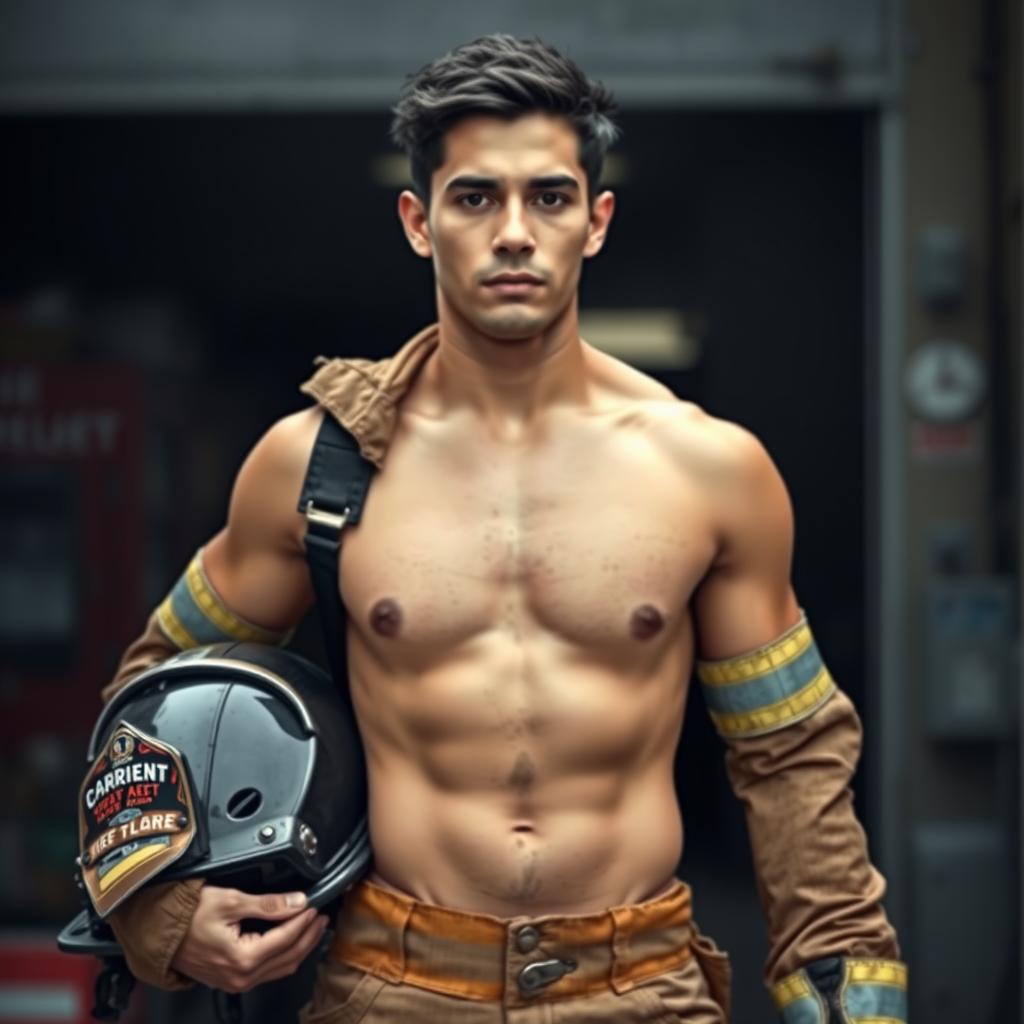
{"x":819,"y":891}
{"x":151,"y":923}
{"x":793,"y":740}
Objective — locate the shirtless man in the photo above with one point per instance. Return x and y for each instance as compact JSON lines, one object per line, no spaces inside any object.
{"x":551,"y":541}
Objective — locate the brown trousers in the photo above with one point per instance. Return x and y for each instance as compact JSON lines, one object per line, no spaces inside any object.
{"x":395,"y":959}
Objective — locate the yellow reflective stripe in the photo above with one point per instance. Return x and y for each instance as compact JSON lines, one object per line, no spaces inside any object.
{"x":170,"y":624}
{"x":791,"y":988}
{"x":210,"y":604}
{"x":765,"y":660}
{"x":884,"y":972}
{"x":780,"y":714}
{"x":130,"y":863}
{"x":862,"y":970}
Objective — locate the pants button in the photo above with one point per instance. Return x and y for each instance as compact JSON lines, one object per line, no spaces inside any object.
{"x":527,"y":938}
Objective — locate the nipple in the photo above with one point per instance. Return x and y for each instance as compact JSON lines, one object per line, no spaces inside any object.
{"x":646,"y":621}
{"x":386,"y":617}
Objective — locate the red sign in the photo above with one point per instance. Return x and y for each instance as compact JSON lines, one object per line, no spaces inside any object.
{"x":70,"y":540}
{"x":40,"y":985}
{"x":941,"y":441}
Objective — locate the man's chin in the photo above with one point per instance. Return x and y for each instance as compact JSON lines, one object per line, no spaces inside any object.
{"x":513,"y":324}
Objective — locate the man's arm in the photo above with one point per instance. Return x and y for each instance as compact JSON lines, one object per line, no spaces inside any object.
{"x":255,"y":567}
{"x":793,"y":741}
{"x":249,"y":582}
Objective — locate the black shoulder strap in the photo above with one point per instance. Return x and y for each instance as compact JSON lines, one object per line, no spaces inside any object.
{"x":333,"y":495}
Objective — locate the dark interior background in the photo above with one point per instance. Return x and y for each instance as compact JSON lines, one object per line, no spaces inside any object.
{"x":211,"y":257}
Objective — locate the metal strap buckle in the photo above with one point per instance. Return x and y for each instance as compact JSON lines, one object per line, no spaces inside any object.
{"x":324,"y":518}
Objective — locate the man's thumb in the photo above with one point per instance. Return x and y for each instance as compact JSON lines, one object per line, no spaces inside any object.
{"x":272,"y":905}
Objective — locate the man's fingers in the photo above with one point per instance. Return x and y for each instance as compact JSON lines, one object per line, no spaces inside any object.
{"x":270,"y":906}
{"x":255,"y":949}
{"x":286,"y":962}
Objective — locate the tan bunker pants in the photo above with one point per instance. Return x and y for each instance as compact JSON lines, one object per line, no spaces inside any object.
{"x":395,"y":959}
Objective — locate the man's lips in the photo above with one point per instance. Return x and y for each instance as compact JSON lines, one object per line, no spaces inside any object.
{"x":513,"y":279}
{"x":513,"y":284}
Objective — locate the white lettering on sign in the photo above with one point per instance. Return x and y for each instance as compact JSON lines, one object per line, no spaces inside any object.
{"x":123,"y":776}
{"x":158,"y":822}
{"x":59,"y":433}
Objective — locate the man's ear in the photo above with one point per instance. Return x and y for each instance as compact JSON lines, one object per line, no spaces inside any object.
{"x":413,"y":215}
{"x":600,"y":217}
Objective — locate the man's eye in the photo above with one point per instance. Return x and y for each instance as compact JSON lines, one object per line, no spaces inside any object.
{"x":561,"y":199}
{"x":463,"y":200}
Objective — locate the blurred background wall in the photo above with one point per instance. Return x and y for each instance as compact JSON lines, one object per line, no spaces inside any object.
{"x":817,"y":236}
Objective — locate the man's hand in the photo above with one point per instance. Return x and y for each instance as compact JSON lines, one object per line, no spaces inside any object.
{"x":218,"y":953}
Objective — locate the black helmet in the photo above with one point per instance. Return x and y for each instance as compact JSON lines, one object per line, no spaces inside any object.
{"x":238,"y":762}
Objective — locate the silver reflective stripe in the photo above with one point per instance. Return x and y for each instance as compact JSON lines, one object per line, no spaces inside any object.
{"x":43,"y":1002}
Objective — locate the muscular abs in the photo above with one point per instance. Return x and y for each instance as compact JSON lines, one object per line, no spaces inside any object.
{"x":521,"y":645}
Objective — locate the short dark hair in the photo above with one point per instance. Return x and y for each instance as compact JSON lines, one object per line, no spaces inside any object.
{"x":507,"y":77}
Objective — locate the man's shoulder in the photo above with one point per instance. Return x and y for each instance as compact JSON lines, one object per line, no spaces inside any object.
{"x":730,"y":468}
{"x":711,"y":444}
{"x":284,"y":450}
{"x":681,"y":422}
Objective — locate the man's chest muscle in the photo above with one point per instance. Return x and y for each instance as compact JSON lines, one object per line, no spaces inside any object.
{"x":592,"y":538}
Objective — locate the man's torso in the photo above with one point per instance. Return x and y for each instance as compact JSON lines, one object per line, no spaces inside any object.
{"x":520,"y":646}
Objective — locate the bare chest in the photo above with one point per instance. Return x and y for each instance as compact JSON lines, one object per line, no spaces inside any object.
{"x":591,"y":536}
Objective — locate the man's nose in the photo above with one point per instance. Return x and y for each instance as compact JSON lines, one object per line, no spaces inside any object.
{"x":513,"y":234}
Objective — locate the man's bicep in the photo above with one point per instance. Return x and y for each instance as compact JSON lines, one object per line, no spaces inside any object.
{"x":747,"y":599}
{"x":256,"y":565}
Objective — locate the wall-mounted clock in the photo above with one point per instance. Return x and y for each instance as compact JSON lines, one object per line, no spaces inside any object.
{"x":945,"y":381}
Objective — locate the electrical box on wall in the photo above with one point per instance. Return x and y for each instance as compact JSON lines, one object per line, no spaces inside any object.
{"x":969,"y":691}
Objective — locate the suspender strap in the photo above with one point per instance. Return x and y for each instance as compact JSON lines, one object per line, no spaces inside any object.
{"x":333,"y":495}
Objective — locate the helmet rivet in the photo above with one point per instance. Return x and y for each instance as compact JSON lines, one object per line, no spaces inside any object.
{"x":307,"y":840}
{"x":182,"y":820}
{"x":86,"y":858}
{"x":267,"y":833}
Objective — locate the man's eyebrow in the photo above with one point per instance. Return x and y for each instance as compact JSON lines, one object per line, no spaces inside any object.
{"x":554,"y":181}
{"x":476,"y":181}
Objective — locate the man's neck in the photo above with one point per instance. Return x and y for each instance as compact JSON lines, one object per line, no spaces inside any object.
{"x":509,"y":383}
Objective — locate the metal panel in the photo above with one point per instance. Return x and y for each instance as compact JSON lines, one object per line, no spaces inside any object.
{"x":962,"y":939}
{"x":887,"y":595}
{"x":166,"y":53}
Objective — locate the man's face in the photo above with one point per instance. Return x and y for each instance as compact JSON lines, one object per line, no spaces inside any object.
{"x":510,"y":197}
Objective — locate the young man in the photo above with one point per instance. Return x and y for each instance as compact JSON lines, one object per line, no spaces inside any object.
{"x":551,"y":542}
